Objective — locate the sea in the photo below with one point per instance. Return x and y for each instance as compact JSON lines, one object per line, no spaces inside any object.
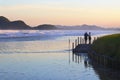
{"x":45,"y":55}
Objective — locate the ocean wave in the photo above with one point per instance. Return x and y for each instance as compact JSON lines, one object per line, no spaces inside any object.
{"x":7,"y":34}
{"x":54,"y":51}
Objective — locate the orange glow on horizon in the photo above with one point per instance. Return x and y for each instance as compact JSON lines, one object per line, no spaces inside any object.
{"x":36,"y":15}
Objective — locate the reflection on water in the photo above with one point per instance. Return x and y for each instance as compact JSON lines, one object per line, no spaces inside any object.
{"x":40,"y":66}
{"x":103,"y":72}
{"x":81,"y":57}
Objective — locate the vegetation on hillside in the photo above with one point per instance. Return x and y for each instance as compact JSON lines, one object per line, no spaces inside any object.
{"x":108,"y":45}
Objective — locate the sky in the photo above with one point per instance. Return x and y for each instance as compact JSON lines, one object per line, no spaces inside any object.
{"x":105,"y":13}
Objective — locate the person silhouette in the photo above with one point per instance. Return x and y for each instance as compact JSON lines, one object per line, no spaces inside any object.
{"x":89,"y":37}
{"x":85,"y":37}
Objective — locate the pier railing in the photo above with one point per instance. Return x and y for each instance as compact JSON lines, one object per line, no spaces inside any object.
{"x":80,"y":40}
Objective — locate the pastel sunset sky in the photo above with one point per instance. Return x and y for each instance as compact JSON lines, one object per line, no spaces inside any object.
{"x":104,"y":13}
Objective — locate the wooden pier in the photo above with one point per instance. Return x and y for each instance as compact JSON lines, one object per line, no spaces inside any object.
{"x":82,"y":48}
{"x":79,"y":45}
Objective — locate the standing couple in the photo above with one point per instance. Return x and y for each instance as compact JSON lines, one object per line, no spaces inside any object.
{"x":87,"y":36}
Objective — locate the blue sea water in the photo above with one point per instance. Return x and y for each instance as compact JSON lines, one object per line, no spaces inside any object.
{"x":44,"y":55}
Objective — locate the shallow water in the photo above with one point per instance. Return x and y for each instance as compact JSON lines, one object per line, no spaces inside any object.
{"x":54,"y":66}
{"x":43,"y":59}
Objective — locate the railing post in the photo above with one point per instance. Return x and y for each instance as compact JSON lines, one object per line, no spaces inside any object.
{"x":72,"y":45}
{"x":94,"y":38}
{"x":75,"y":43}
{"x":78,"y":40}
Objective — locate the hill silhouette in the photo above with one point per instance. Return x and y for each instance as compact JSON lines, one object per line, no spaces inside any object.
{"x":3,"y":20}
{"x":19,"y":25}
{"x":45,"y":26}
{"x":80,"y":27}
{"x":6,"y":24}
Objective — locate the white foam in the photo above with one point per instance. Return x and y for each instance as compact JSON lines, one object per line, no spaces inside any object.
{"x":29,"y":33}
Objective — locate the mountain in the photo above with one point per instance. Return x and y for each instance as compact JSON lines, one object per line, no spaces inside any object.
{"x":118,"y":29}
{"x":45,"y":27}
{"x":89,"y":27}
{"x":21,"y":25}
{"x":7,"y":24}
{"x":80,"y":27}
{"x":3,"y":20}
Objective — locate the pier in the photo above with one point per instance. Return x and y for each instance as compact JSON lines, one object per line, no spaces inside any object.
{"x":79,"y":45}
{"x":82,"y":48}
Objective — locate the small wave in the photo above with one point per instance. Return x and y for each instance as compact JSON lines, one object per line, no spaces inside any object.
{"x":16,"y":35}
{"x":12,"y":52}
